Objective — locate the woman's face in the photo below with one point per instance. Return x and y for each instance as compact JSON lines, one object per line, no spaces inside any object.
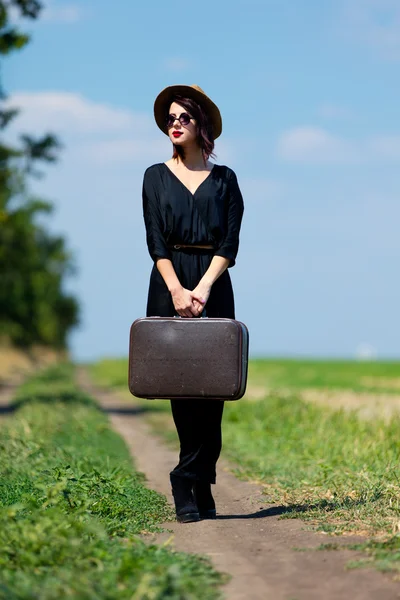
{"x":188,"y":133}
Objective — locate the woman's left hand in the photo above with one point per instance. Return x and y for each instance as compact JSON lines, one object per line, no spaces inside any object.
{"x":203,"y":291}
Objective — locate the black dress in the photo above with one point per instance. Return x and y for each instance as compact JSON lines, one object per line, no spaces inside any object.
{"x":173,"y":216}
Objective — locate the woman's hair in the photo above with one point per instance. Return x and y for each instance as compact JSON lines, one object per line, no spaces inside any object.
{"x":205,"y":137}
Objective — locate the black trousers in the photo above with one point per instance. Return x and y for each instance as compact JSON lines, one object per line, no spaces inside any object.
{"x":198,"y":423}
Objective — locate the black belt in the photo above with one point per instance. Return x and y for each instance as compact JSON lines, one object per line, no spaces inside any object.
{"x":200,"y":247}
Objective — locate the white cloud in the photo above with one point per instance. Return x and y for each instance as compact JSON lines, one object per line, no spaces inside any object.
{"x":57,"y":12}
{"x":315,"y":145}
{"x":70,"y":112}
{"x":176,"y":64}
{"x":375,"y":23}
{"x":97,"y":132}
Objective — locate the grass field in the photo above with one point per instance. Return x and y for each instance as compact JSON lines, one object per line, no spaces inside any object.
{"x":373,"y":377}
{"x":326,"y":465}
{"x":72,"y":507}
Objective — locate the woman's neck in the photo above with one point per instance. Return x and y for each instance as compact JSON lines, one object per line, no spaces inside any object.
{"x":193,"y":159}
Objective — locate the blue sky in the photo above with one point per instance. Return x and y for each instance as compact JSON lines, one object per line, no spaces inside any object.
{"x":309,"y":94}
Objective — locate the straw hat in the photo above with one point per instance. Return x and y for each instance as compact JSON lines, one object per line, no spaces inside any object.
{"x":164,"y":99}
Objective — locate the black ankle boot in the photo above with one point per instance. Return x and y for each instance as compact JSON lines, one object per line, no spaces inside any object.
{"x":204,"y":500}
{"x":185,"y":504}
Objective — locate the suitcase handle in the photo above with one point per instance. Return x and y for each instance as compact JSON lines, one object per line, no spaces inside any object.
{"x":202,"y":316}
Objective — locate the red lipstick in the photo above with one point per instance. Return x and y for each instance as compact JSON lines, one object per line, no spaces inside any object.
{"x":177,"y":133}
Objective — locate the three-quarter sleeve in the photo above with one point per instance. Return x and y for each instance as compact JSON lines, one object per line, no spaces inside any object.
{"x":153,"y":219}
{"x":230,"y":243}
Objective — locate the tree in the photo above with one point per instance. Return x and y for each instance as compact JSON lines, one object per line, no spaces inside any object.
{"x":34,"y":309}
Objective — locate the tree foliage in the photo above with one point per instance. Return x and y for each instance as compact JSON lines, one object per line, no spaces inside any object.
{"x":34,"y":309}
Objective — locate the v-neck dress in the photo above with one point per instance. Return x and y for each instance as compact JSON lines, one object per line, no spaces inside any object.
{"x":173,"y":215}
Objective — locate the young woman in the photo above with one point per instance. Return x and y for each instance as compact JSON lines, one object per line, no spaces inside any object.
{"x":192,"y":211}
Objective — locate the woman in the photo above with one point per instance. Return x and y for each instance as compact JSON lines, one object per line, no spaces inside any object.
{"x":192,"y":211}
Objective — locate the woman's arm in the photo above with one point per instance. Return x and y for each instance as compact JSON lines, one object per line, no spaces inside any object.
{"x":153,"y":219}
{"x":230,"y":244}
{"x":215,"y":270}
{"x":203,"y":289}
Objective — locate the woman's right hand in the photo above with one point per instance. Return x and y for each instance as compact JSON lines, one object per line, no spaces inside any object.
{"x":183,"y":302}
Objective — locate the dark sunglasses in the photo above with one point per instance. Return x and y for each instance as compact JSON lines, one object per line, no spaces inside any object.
{"x":184,"y":119}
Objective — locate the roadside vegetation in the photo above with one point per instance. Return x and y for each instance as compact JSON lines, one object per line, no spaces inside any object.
{"x":35,"y":309}
{"x":327,"y":466}
{"x":73,"y":511}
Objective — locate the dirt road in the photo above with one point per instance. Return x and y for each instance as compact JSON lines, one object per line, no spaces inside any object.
{"x":268,"y":558}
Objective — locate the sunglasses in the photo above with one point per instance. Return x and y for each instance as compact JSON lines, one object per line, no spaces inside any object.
{"x":184,"y":119}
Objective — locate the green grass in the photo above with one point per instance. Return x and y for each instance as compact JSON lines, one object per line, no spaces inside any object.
{"x":372,"y":376}
{"x":72,"y":506}
{"x":110,"y":372}
{"x":320,"y":461}
{"x":328,"y":467}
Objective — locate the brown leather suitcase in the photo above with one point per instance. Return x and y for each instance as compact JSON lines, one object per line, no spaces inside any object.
{"x":178,"y":357}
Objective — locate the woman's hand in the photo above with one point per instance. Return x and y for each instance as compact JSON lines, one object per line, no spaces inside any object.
{"x":186,"y":303}
{"x":202,"y":292}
